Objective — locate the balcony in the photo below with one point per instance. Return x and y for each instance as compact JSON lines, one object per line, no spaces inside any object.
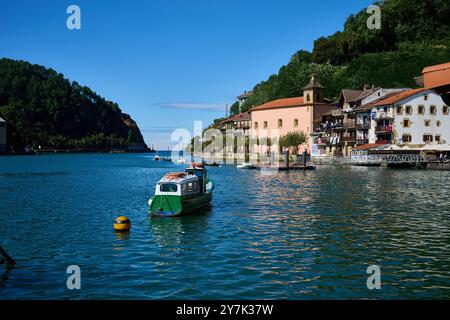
{"x":363,"y":126}
{"x":348,"y":139}
{"x":362,"y":141}
{"x":383,"y":129}
{"x":384,"y":115}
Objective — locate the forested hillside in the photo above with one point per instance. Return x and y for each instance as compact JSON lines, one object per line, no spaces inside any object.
{"x":42,"y":108}
{"x":413,"y":34}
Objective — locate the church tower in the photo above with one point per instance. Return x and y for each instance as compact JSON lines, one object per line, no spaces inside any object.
{"x":313,"y":92}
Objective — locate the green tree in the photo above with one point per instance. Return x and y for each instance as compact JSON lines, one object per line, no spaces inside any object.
{"x":293,"y":139}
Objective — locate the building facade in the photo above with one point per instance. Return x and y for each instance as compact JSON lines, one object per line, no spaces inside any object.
{"x":414,"y":117}
{"x":3,"y":140}
{"x":298,"y":114}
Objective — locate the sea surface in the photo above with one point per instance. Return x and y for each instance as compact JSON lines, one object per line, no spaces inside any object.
{"x":297,"y":235}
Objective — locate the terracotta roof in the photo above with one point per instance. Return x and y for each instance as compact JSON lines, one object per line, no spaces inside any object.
{"x":397,"y":97}
{"x":369,"y":105}
{"x":244,"y":116}
{"x":437,"y":67}
{"x":369,"y":146}
{"x":280,"y":103}
{"x":437,"y":76}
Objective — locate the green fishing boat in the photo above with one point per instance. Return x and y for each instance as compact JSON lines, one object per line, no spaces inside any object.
{"x":182,"y":192}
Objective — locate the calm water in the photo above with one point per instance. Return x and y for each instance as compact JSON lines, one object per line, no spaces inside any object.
{"x":298,"y":235}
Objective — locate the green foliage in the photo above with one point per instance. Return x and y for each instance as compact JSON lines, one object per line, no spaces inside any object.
{"x":414,"y":34}
{"x":401,"y":21}
{"x":293,"y":139}
{"x":42,"y":108}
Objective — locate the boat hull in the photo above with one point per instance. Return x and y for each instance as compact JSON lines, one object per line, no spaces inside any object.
{"x":170,"y":206}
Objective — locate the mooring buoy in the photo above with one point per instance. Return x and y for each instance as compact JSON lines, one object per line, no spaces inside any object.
{"x":122,"y":223}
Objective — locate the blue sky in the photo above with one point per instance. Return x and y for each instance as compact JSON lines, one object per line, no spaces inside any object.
{"x":168,"y":62}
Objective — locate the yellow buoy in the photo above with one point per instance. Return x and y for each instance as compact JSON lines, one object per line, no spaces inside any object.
{"x":122,"y":223}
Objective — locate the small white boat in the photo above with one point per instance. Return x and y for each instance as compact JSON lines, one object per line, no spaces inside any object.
{"x":246,"y":165}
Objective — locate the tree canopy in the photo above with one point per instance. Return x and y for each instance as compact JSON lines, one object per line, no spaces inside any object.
{"x":43,"y":108}
{"x":414,"y":34}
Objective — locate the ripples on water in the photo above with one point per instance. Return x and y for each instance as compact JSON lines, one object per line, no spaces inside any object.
{"x":297,"y":235}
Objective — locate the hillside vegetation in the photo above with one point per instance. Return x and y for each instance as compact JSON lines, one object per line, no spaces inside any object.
{"x":414,"y":34}
{"x":42,"y":108}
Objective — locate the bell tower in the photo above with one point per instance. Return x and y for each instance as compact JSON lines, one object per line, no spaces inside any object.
{"x":313,"y":92}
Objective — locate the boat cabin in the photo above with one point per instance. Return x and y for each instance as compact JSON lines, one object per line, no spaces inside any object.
{"x":191,"y":182}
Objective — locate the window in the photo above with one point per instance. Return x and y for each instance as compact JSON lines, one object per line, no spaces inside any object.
{"x":317,"y":97}
{"x":438,"y":123}
{"x":432,"y":109}
{"x":406,"y":123}
{"x":408,"y":110}
{"x":308,"y":97}
{"x":421,"y":110}
{"x":265,"y":125}
{"x":399,"y":110}
{"x":168,"y":187}
{"x":406,"y":138}
{"x":425,"y":97}
{"x":295,"y":123}
{"x":256,"y":125}
{"x":195,"y":186}
{"x":280,"y":123}
{"x":445,"y":110}
{"x":427,"y":138}
{"x":2,"y":124}
{"x":437,"y":138}
{"x":427,"y":123}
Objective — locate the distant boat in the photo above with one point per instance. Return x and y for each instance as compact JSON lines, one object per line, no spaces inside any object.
{"x":181,"y":192}
{"x":246,"y":165}
{"x":157,"y":158}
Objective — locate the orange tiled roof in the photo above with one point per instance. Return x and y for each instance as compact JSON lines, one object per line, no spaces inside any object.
{"x":244,"y":116}
{"x":398,"y":97}
{"x":279,"y":103}
{"x":437,"y":67}
{"x":369,"y":146}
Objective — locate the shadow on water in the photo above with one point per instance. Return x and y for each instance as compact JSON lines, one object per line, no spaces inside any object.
{"x":170,"y":230}
{"x":5,"y":274}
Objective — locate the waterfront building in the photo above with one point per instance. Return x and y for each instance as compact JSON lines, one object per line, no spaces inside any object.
{"x":239,"y":125}
{"x":414,"y":117}
{"x":290,"y":115}
{"x":335,"y":134}
{"x":365,"y":126}
{"x":2,"y":135}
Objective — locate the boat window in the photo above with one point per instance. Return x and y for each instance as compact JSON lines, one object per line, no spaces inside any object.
{"x":195,"y":186}
{"x":168,"y":187}
{"x":190,"y":186}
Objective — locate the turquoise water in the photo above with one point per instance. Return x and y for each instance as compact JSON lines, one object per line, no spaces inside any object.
{"x":298,"y":235}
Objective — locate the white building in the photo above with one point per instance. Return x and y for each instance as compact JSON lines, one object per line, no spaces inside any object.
{"x":2,"y":135}
{"x":365,"y":126}
{"x":413,"y":117}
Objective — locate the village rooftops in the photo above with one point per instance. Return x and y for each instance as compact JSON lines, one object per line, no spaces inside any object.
{"x":386,"y":101}
{"x":369,"y":105}
{"x":284,"y":103}
{"x":364,"y":94}
{"x":350,"y":94}
{"x":437,"y":76}
{"x":243,"y":116}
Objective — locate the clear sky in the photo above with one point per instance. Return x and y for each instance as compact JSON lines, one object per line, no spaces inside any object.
{"x":168,"y":62}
